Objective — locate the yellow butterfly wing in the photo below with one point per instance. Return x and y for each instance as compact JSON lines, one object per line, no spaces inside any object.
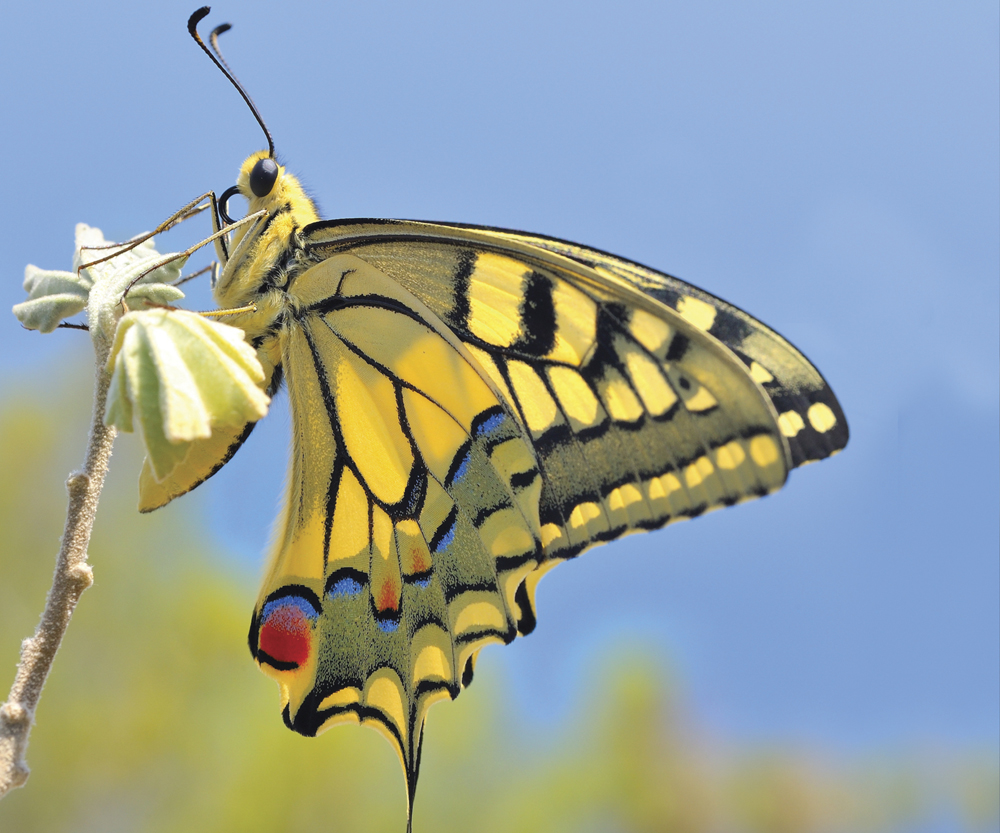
{"x":412,"y":512}
{"x":469,"y":409}
{"x":638,"y":416}
{"x":809,"y":415}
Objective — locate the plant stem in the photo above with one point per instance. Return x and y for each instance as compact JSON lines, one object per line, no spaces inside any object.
{"x":72,"y":576}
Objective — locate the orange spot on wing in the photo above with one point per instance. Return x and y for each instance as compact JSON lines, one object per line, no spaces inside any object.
{"x":418,"y":558}
{"x":388,"y":597}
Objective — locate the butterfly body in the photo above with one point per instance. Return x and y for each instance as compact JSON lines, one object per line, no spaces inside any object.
{"x":471,"y":407}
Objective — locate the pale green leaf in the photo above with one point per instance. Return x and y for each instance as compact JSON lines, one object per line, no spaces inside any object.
{"x":45,"y":314}
{"x":41,"y":282}
{"x":182,"y":375}
{"x":154,"y":293}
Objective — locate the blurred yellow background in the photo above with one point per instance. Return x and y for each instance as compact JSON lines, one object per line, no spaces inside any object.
{"x":155,"y":719}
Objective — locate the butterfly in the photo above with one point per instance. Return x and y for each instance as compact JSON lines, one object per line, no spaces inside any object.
{"x":471,"y":406}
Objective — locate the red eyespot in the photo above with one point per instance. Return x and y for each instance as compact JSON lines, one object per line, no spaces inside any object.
{"x":286,"y":632}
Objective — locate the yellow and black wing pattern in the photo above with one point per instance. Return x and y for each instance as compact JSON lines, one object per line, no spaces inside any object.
{"x":472,"y":406}
{"x":809,"y":415}
{"x":411,"y":518}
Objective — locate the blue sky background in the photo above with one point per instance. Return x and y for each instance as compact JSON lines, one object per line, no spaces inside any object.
{"x":832,"y":168}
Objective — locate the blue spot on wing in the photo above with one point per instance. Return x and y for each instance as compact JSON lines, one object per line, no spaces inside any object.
{"x":286,"y":602}
{"x":490,"y":424}
{"x":446,"y":539}
{"x":462,"y":470}
{"x":344,"y":587}
{"x":387,"y":625}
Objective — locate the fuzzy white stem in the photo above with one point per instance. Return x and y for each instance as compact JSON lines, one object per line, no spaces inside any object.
{"x":72,"y":576}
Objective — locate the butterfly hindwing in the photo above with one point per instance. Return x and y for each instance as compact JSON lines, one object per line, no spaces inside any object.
{"x":412,"y":513}
{"x":205,"y":456}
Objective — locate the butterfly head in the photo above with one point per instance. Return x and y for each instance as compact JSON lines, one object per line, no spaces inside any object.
{"x":266,"y":185}
{"x":258,"y":249}
{"x":262,"y":181}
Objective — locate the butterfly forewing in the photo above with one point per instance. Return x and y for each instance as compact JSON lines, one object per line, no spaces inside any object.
{"x":809,"y":415}
{"x":637,"y":416}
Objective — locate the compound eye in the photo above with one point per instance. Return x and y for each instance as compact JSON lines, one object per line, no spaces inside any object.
{"x":263,"y":176}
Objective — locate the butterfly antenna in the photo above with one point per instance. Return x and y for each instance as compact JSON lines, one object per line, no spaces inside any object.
{"x":213,"y":41}
{"x":220,"y":62}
